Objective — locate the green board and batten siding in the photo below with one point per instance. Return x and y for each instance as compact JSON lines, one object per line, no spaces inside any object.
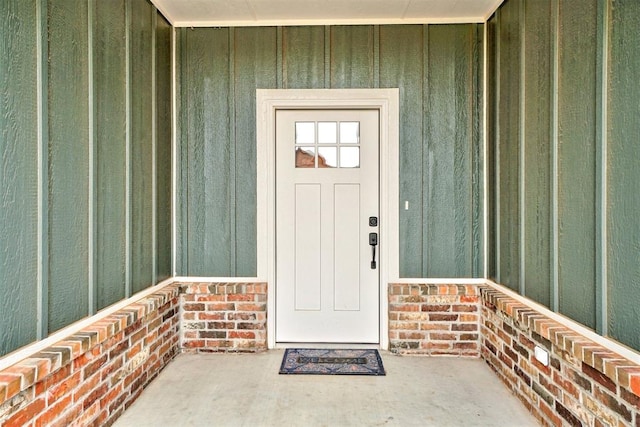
{"x":141,"y":80}
{"x":87,"y":159}
{"x":18,"y":174}
{"x":220,"y":69}
{"x":352,"y":56}
{"x":163,"y":148}
{"x":577,"y":28}
{"x":255,"y":56}
{"x":567,"y":170}
{"x":507,"y":150}
{"x":537,"y":66}
{"x":450,"y":159}
{"x":491,"y":125}
{"x":303,"y":58}
{"x":402,"y":66}
{"x":623,"y":174}
{"x":77,"y":163}
{"x":206,"y":177}
{"x":110,"y":122}
{"x":68,"y":162}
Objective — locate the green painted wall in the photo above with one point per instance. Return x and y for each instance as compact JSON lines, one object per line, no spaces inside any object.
{"x":436,"y":67}
{"x":85,"y":150}
{"x":451,"y":159}
{"x":68,"y":152}
{"x":141,"y":167}
{"x":18,"y":174}
{"x":207,"y":178}
{"x":164,"y":172}
{"x":576,"y":165}
{"x":508,"y":161}
{"x":563,"y":126}
{"x":491,"y":114}
{"x":85,"y":159}
{"x":536,"y":153}
{"x":110,"y":85}
{"x":622,"y":164}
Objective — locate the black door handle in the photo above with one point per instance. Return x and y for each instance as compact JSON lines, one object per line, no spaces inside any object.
{"x":373,"y":241}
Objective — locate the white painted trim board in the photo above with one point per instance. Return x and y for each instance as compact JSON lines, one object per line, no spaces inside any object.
{"x":387,"y":101}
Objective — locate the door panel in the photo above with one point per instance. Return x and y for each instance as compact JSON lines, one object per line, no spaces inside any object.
{"x":326,"y":189}
{"x":347,"y":254}
{"x":307,"y":247}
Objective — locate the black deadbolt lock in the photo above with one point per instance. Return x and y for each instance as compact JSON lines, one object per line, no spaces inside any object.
{"x":373,"y":221}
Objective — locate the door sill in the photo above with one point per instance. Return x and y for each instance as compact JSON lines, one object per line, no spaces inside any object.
{"x":326,"y":345}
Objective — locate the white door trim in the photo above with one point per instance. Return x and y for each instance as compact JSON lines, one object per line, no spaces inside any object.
{"x":387,"y":101}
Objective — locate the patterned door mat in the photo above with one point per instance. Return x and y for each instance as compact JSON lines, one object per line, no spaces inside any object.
{"x":331,"y":362}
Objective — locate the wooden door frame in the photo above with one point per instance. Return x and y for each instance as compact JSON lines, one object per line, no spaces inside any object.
{"x":387,"y":102}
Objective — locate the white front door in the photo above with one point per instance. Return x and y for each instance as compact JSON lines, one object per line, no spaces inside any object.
{"x":327,"y":203}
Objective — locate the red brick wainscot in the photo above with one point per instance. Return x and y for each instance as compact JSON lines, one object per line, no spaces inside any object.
{"x":223,"y":317}
{"x":90,"y":377}
{"x":585,"y":384}
{"x":436,"y":320}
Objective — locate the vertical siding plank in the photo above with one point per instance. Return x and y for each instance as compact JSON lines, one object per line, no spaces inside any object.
{"x":182,"y":152}
{"x":255,"y":67}
{"x":163,"y":147}
{"x":42,"y":75}
{"x":576,"y":160}
{"x":492,"y":138}
{"x":537,"y":151}
{"x":279,"y":58}
{"x":303,"y":57}
{"x":128,"y":151}
{"x":209,"y":199}
{"x":555,"y":81}
{"x":18,"y":174}
{"x":448,"y":173}
{"x":508,"y":144}
{"x":376,"y":56}
{"x":478,"y":209}
{"x":623,"y":165}
{"x":352,"y":57}
{"x":233,"y":182}
{"x":141,"y":145}
{"x":401,"y":66}
{"x":92,"y":184}
{"x":327,"y":56}
{"x":110,"y":141}
{"x":154,"y":147}
{"x":68,"y":162}
{"x":602,"y":87}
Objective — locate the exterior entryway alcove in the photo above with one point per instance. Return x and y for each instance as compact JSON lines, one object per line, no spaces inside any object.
{"x":300,"y":106}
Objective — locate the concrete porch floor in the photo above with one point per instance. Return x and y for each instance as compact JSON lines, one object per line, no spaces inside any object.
{"x":246,"y":390}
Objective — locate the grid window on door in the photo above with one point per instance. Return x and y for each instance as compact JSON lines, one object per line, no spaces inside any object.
{"x":327,"y":144}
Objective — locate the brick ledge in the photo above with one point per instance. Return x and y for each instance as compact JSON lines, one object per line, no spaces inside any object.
{"x":27,"y":372}
{"x":614,"y":366}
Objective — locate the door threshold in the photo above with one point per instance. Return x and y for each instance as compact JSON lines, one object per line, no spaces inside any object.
{"x":329,"y":346}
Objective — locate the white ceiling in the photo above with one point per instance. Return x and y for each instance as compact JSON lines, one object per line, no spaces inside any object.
{"x":226,"y":13}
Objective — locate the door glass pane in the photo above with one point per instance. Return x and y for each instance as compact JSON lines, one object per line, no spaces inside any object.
{"x":327,"y":157}
{"x":305,"y":133}
{"x":327,"y":132}
{"x":349,"y":132}
{"x":349,"y":157}
{"x":305,"y":157}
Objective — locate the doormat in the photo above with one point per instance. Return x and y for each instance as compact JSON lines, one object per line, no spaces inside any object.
{"x":331,"y":362}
